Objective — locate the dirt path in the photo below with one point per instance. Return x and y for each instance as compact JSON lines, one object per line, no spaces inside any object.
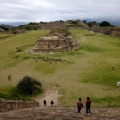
{"x":50,"y":95}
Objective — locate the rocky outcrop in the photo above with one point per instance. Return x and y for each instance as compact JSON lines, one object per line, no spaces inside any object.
{"x":79,"y":25}
{"x":1,"y":30}
{"x":112,"y":31}
{"x":61,"y":113}
{"x":57,"y":41}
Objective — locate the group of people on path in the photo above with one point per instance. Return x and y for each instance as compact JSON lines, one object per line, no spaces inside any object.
{"x":45,"y":103}
{"x":80,"y":105}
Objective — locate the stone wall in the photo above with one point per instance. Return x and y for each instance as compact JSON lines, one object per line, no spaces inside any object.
{"x":7,"y":105}
{"x":54,"y":25}
{"x":56,"y":45}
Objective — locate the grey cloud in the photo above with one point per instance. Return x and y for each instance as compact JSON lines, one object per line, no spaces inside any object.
{"x":49,"y":10}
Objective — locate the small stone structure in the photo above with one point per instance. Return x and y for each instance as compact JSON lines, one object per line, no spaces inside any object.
{"x":1,"y":30}
{"x":57,"y":40}
{"x":54,"y":25}
{"x":7,"y":105}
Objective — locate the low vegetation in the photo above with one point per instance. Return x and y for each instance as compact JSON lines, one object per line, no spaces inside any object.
{"x":14,"y":97}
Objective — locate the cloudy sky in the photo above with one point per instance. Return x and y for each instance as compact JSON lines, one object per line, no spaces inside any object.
{"x":52,"y":10}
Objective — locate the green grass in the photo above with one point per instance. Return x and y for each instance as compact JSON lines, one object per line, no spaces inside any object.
{"x":4,"y":36}
{"x":14,"y":97}
{"x":93,"y":49}
{"x":108,"y":100}
{"x":103,"y":77}
{"x":83,"y":72}
{"x":12,"y":93}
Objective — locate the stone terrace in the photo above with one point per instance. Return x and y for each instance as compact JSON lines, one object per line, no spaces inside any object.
{"x":61,"y":113}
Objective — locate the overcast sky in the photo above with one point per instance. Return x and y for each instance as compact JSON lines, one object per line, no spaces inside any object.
{"x":52,"y":10}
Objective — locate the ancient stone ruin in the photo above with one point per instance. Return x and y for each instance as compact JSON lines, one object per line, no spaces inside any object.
{"x":57,"y":40}
{"x":1,"y":30}
{"x":7,"y":105}
{"x":54,"y":25}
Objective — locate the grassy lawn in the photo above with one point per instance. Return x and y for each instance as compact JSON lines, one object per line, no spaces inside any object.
{"x":83,"y":72}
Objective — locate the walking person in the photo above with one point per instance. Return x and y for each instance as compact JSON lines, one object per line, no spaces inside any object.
{"x":88,"y":105}
{"x":45,"y":103}
{"x":52,"y":103}
{"x":9,"y":77}
{"x":79,"y":105}
{"x":36,"y":60}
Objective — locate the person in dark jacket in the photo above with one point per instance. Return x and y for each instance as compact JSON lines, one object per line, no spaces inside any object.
{"x":79,"y":105}
{"x":45,"y":103}
{"x":88,"y":105}
{"x":52,"y":103}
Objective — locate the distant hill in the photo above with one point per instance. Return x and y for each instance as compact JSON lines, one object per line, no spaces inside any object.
{"x":14,"y":23}
{"x":6,"y":27}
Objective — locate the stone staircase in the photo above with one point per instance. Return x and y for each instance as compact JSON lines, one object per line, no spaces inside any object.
{"x":61,"y":113}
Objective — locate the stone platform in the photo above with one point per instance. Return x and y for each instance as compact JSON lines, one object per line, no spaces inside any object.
{"x":61,"y":113}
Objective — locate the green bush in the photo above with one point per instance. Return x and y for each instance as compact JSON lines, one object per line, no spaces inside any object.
{"x":29,"y":85}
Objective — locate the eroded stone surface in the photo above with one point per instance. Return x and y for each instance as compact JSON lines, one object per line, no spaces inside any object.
{"x":61,"y":113}
{"x":57,"y":40}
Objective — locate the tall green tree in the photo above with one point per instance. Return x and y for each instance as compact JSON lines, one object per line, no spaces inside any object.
{"x":104,"y":23}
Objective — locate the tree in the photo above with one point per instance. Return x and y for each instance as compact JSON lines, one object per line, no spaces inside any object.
{"x":4,"y":28}
{"x":61,"y":21}
{"x":90,"y":24}
{"x":104,"y":23}
{"x":74,"y":22}
{"x":28,"y":85}
{"x":14,"y":32}
{"x":28,"y":27}
{"x":84,"y":21}
{"x":35,"y":28}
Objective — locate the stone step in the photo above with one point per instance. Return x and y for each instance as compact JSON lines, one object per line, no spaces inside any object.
{"x":61,"y":113}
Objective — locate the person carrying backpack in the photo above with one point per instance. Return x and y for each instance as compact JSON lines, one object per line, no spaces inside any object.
{"x":79,"y":105}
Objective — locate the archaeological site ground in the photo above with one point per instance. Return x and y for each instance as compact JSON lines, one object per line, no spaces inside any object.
{"x":85,"y":71}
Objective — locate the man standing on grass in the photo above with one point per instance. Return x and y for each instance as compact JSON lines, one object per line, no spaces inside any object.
{"x":88,"y":104}
{"x":79,"y":105}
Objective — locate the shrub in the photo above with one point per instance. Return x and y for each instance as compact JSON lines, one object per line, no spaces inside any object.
{"x":28,"y":85}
